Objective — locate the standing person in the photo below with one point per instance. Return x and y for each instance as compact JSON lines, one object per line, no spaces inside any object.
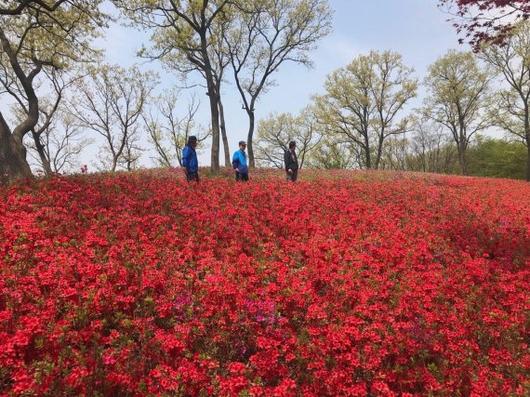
{"x":239,"y":162}
{"x":291,"y":162}
{"x":189,"y":160}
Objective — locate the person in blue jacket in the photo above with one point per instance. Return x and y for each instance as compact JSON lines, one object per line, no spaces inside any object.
{"x":189,"y":160}
{"x":239,"y":162}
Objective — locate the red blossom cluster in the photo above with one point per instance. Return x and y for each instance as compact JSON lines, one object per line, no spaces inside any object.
{"x":488,"y":21}
{"x":379,"y":285}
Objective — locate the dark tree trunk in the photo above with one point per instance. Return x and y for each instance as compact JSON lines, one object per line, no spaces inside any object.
{"x":462,"y":159}
{"x":368,"y":155}
{"x":250,"y":137}
{"x":379,"y":152}
{"x":213,"y":96}
{"x":214,"y":111}
{"x":13,"y":163}
{"x":45,"y":161}
{"x":226,"y":146}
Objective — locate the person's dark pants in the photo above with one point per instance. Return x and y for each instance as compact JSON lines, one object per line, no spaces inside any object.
{"x":292,"y":176}
{"x":241,"y":177}
{"x":192,"y":176}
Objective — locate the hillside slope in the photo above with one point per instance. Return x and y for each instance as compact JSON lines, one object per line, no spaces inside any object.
{"x":343,"y":284}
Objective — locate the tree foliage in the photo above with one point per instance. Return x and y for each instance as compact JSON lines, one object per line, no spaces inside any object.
{"x":458,"y":89}
{"x":497,"y":158}
{"x":40,"y":37}
{"x":512,"y":101}
{"x":364,"y":103}
{"x":333,"y":154}
{"x":277,"y":130}
{"x":183,"y":37}
{"x":17,"y":7}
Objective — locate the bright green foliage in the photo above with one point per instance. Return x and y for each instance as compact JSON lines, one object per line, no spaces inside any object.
{"x":458,"y":89}
{"x":55,"y":39}
{"x":497,"y":158}
{"x":511,"y":110}
{"x":364,"y":101}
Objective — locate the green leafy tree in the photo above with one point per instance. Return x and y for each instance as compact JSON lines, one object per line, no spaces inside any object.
{"x":41,"y":36}
{"x":511,"y":110}
{"x":364,"y":102}
{"x":458,"y":98}
{"x":497,"y":158}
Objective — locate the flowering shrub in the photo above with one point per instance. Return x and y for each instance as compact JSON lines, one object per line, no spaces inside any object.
{"x":345,"y":284}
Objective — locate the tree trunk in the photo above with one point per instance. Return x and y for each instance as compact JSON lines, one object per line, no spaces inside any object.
{"x":528,"y":157}
{"x":223,"y":132}
{"x":462,"y":159}
{"x":527,"y":133}
{"x":45,"y":162}
{"x":368,"y":155}
{"x":114,"y":163}
{"x":214,"y":111}
{"x":379,"y":153}
{"x":213,"y":96}
{"x":13,"y":163}
{"x":250,"y":137}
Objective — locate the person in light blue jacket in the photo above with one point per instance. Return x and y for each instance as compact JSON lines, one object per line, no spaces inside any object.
{"x":189,"y":160}
{"x":239,"y":162}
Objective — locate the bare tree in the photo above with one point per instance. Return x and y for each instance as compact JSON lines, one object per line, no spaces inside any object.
{"x":266,"y":35}
{"x":276,"y":131}
{"x":131,"y":153}
{"x":60,"y":144}
{"x":431,"y":148}
{"x":169,"y":133}
{"x":395,"y":154}
{"x":111,"y":103}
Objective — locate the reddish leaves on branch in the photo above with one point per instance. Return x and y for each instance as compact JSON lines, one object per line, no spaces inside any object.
{"x":487,"y":21}
{"x":350,"y":284}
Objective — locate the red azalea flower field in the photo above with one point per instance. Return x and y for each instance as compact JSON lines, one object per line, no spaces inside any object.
{"x":344,"y":284}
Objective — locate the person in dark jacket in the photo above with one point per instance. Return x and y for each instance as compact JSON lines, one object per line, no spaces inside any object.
{"x":189,"y":160}
{"x":239,"y":162}
{"x":291,"y":162}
